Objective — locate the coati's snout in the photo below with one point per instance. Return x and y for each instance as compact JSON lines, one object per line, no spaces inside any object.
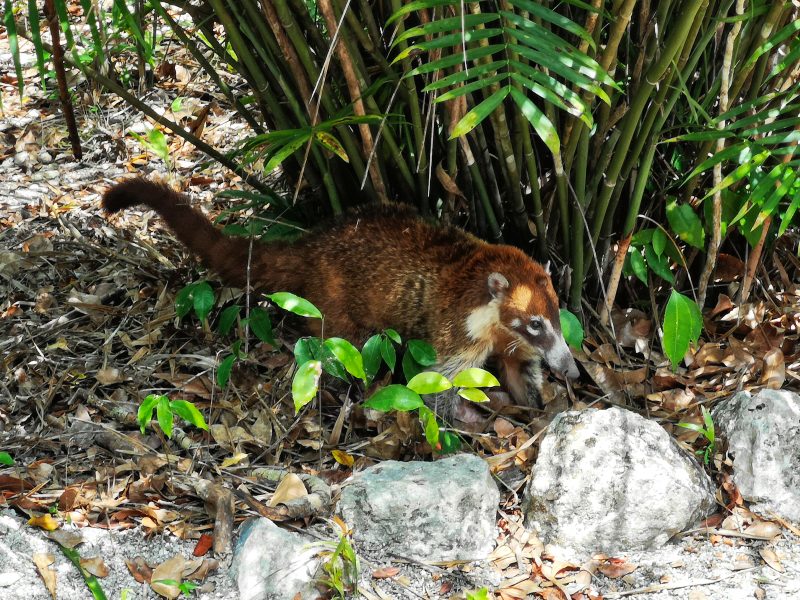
{"x":559,"y":358}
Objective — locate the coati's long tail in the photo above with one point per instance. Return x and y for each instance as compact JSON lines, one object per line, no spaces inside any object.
{"x":226,"y":255}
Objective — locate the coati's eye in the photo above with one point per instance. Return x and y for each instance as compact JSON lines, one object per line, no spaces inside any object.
{"x":535,"y":324}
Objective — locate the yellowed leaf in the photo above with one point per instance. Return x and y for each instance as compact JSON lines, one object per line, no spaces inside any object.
{"x":291,"y":487}
{"x":46,"y":522}
{"x":332,"y":144}
{"x":235,"y":459}
{"x":343,"y":458}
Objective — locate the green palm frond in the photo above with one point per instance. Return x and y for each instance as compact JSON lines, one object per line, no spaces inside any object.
{"x":507,"y":53}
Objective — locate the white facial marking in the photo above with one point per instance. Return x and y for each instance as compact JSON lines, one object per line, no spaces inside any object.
{"x":482,"y":320}
{"x":516,"y":323}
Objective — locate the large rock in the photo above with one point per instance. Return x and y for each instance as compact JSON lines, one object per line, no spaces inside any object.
{"x":763,"y":433}
{"x":428,"y":511}
{"x":270,"y":563}
{"x":610,"y":480}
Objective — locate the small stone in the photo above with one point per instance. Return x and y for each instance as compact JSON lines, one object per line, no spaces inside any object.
{"x":426,"y":511}
{"x":270,"y":563}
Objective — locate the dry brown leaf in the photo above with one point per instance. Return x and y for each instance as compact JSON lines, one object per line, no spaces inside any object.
{"x":773,"y":375}
{"x":728,"y":268}
{"x":615,"y":568}
{"x":139,"y":569}
{"x":673,"y":400}
{"x":66,"y":538}
{"x":385,"y":572}
{"x":230,"y":437}
{"x":765,"y":529}
{"x":503,"y":427}
{"x":95,"y":566}
{"x":170,"y":570}
{"x":290,"y":488}
{"x":109,"y":376}
{"x":43,"y":562}
{"x":771,"y":558}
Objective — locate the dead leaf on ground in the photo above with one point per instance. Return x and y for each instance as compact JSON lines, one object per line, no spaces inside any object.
{"x":170,"y":570}
{"x":771,"y":558}
{"x":290,"y":488}
{"x":43,"y":562}
{"x":45,"y":521}
{"x":95,"y":566}
{"x":139,"y":569}
{"x":773,"y":374}
{"x":614,"y":568}
{"x":385,"y":572}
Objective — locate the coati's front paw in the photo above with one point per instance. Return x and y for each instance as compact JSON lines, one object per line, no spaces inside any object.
{"x":534,"y":380}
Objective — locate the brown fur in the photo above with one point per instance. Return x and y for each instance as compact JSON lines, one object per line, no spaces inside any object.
{"x":370,"y":272}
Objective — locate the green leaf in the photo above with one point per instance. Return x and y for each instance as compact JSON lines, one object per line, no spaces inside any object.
{"x":13,"y":44}
{"x":371,"y":356}
{"x":546,"y":14}
{"x":388,"y":353}
{"x":164,"y":415}
{"x":224,"y":370}
{"x":304,"y":351}
{"x":394,"y":397}
{"x":305,"y":383}
{"x":295,"y":304}
{"x":411,"y":367}
{"x":285,"y":152}
{"x":475,"y":377}
{"x":474,"y":117}
{"x":658,"y":264}
{"x":473,"y":394}
{"x":638,"y":265}
{"x":659,"y":241}
{"x":202,"y":299}
{"x":429,"y":425}
{"x":261,"y":325}
{"x":348,"y":355}
{"x":571,"y":328}
{"x":686,"y":224}
{"x":683,"y":324}
{"x":422,"y":352}
{"x":5,"y":459}
{"x":541,"y":124}
{"x":393,"y":335}
{"x":228,"y":318}
{"x":145,"y":412}
{"x":158,"y":144}
{"x":429,"y":382}
{"x":449,"y":441}
{"x":709,"y":422}
{"x":189,"y":413}
{"x":183,"y":300}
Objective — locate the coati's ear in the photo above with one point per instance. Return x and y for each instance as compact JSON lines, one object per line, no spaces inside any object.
{"x":547,"y":267}
{"x":498,"y":285}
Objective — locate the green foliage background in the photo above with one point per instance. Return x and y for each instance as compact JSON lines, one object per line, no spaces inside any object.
{"x":620,"y":138}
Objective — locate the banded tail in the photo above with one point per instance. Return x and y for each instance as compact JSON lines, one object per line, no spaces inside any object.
{"x":228,"y":256}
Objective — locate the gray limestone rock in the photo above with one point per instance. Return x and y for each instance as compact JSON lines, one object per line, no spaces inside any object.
{"x":270,"y":563}
{"x":763,"y":433}
{"x":428,"y":511}
{"x":610,"y":480}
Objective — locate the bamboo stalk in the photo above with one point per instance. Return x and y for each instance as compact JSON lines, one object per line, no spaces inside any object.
{"x":724,"y":101}
{"x":346,"y":63}
{"x":630,"y":122}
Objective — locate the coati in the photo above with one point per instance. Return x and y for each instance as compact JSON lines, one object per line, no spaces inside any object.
{"x":473,"y":301}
